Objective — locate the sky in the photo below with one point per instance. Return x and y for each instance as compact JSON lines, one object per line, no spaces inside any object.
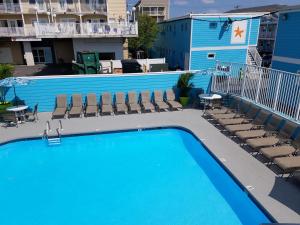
{"x":183,"y":7}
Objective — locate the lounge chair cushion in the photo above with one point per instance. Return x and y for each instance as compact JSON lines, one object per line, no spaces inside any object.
{"x":162,"y":105}
{"x":59,"y":112}
{"x":121,"y":108}
{"x":217,"y":111}
{"x":262,"y":142}
{"x":288,"y":164}
{"x":148,"y":105}
{"x":75,"y":111}
{"x":239,"y":127}
{"x":224,"y":116}
{"x":231,"y":121}
{"x":277,"y":151}
{"x":246,"y":134}
{"x":134,"y":107}
{"x":174,"y":104}
{"x":106,"y":109}
{"x":91,"y":109}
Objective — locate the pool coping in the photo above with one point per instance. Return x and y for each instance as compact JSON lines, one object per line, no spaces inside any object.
{"x":219,"y":162}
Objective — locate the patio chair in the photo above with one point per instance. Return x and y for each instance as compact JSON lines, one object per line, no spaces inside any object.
{"x":242,"y":108}
{"x":257,"y":116}
{"x":272,"y":126}
{"x":146,"y":102}
{"x":283,"y":136}
{"x":9,"y":119}
{"x":133,"y":106}
{"x":233,"y":105}
{"x":61,"y":107}
{"x":106,"y":106}
{"x":120,"y":103}
{"x":288,"y":165}
{"x":159,"y":101}
{"x":273,"y":152}
{"x":91,"y":108}
{"x":32,"y":116}
{"x":170,"y":99}
{"x":76,"y":106}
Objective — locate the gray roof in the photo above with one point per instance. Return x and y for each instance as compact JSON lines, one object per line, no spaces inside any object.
{"x":264,"y":8}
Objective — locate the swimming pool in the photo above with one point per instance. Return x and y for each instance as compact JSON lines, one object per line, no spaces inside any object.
{"x":150,"y":177}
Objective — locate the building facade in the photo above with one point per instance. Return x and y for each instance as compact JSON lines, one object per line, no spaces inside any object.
{"x":158,"y":9}
{"x":286,"y":54}
{"x":53,"y":31}
{"x":196,"y":41}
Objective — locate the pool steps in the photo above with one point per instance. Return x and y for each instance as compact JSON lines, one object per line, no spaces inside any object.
{"x":53,"y":137}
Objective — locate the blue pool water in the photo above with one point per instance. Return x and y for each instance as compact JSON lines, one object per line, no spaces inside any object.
{"x":153,"y":177}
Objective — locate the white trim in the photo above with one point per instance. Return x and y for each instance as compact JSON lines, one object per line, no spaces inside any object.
{"x":249,"y":38}
{"x":108,"y":75}
{"x":215,"y":48}
{"x":191,"y":40}
{"x":286,"y":59}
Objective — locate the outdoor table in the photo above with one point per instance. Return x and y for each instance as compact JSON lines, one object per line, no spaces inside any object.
{"x":209,"y":98}
{"x":19,"y":111}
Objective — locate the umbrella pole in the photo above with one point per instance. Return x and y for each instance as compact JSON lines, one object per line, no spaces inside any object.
{"x":15,"y":95}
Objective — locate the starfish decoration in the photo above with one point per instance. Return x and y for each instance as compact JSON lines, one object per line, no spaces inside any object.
{"x":238,"y":32}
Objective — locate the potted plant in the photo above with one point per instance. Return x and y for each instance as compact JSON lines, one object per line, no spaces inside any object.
{"x":184,"y":85}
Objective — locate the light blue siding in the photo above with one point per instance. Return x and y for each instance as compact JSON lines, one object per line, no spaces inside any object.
{"x":173,"y":42}
{"x":199,"y":58}
{"x":288,"y":41}
{"x":43,"y":91}
{"x":288,"y":36}
{"x":293,"y":68}
{"x":254,"y":31}
{"x":204,"y":36}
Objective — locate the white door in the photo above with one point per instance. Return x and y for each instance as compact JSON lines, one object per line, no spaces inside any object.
{"x":40,"y":5}
{"x":63,"y":5}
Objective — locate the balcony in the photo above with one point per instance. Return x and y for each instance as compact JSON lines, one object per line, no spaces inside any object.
{"x":64,"y":8}
{"x":72,"y":30}
{"x":267,"y":35}
{"x":9,"y":8}
{"x":94,"y":8}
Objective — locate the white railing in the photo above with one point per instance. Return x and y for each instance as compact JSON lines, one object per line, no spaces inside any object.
{"x":276,"y":90}
{"x":85,"y":29}
{"x":94,"y":7}
{"x":11,"y":31}
{"x":255,"y":55}
{"x":9,"y":8}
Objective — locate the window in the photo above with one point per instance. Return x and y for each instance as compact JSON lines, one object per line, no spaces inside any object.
{"x":107,"y":56}
{"x":213,"y":25}
{"x":211,"y":55}
{"x":31,"y":1}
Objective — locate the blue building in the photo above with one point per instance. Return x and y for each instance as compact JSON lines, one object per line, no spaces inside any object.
{"x":286,"y":54}
{"x":196,"y":41}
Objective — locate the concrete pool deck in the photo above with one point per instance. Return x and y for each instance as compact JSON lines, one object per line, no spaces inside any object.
{"x":280,"y":198}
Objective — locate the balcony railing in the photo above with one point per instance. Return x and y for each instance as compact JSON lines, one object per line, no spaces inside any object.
{"x":9,"y":8}
{"x":267,"y":35}
{"x":69,"y":30}
{"x":98,"y":8}
{"x":85,"y":29}
{"x":275,"y":90}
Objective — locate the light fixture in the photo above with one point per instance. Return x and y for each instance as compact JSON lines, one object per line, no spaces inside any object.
{"x":133,"y":9}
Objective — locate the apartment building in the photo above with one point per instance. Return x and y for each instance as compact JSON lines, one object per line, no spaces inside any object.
{"x":53,"y":31}
{"x":158,"y":9}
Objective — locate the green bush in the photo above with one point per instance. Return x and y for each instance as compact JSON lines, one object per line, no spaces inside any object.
{"x":184,"y":84}
{"x":6,"y":70}
{"x":4,"y":106}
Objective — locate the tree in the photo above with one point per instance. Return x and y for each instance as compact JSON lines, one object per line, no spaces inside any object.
{"x":6,"y":70}
{"x":148,"y":30}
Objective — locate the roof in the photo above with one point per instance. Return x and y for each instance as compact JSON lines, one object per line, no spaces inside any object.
{"x":216,"y":15}
{"x":267,"y":8}
{"x":264,"y":8}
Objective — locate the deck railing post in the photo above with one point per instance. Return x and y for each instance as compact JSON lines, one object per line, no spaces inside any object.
{"x":298,"y":112}
{"x":259,"y":84}
{"x":277,"y":91}
{"x":228,"y":83}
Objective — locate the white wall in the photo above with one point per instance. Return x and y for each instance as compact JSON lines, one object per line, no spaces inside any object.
{"x":99,"y":45}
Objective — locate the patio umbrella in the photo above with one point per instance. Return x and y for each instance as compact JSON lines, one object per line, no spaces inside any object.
{"x":13,"y":82}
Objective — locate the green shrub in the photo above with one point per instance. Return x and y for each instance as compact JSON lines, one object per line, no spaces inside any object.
{"x":6,"y":70}
{"x":4,"y":106}
{"x":184,"y":84}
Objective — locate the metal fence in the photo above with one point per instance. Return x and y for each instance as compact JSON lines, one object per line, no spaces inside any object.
{"x":275,"y":90}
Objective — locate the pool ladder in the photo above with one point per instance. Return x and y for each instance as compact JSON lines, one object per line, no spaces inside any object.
{"x":53,"y":137}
